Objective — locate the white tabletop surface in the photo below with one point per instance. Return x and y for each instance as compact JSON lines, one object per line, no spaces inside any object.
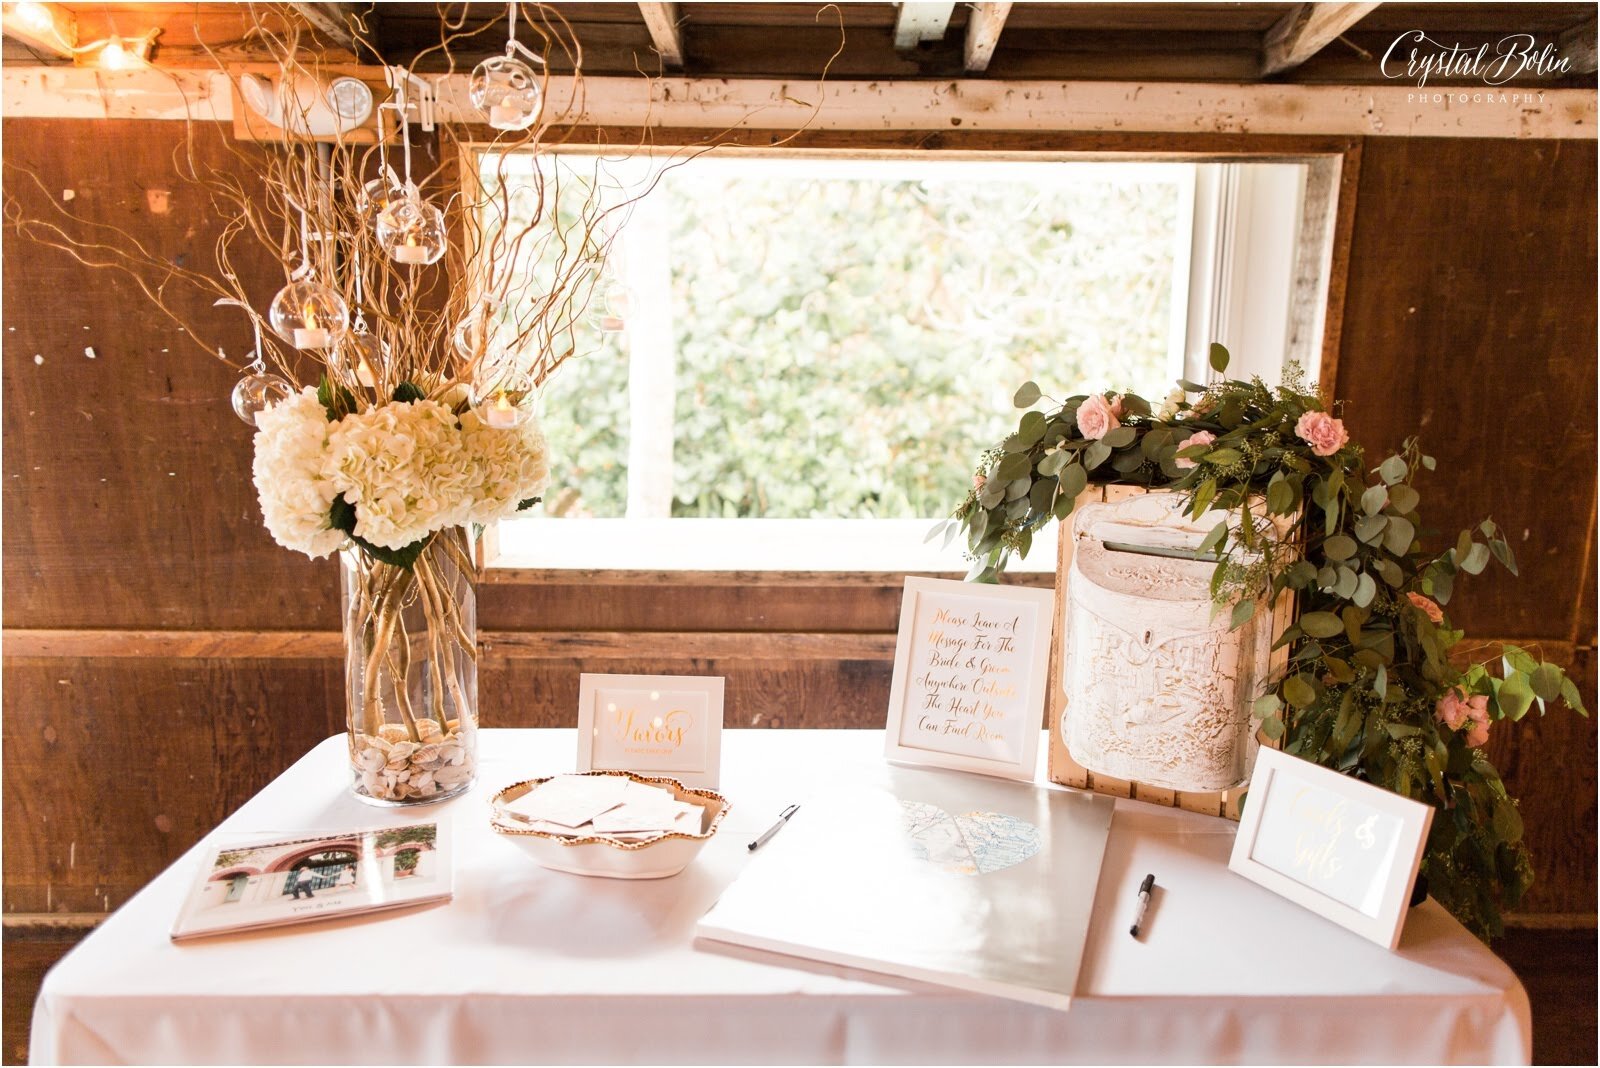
{"x":526,"y":965}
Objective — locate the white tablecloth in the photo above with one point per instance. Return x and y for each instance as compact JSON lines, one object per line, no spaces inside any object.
{"x":527,"y":965}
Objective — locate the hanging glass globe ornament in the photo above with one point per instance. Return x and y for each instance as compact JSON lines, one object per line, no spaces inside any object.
{"x":256,"y":392}
{"x":411,"y":230}
{"x":308,"y":315}
{"x":359,"y":356}
{"x":474,"y":336}
{"x":611,"y":311}
{"x":507,"y":91}
{"x":378,"y":195}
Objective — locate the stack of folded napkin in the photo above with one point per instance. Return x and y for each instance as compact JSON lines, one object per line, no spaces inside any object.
{"x":607,"y":806}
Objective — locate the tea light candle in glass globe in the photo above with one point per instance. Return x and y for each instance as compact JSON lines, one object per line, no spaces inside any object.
{"x":411,"y":231}
{"x":357,"y":357}
{"x":255,"y":393}
{"x":507,"y":91}
{"x":308,"y":315}
{"x":501,"y":409}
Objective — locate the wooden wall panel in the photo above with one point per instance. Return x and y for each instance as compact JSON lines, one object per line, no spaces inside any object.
{"x":1470,"y":321}
{"x":127,"y":499}
{"x":113,"y":767}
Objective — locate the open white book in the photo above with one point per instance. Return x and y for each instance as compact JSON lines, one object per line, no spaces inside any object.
{"x":944,"y":876}
{"x":255,"y":881}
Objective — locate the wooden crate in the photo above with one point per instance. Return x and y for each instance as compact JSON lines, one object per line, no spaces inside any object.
{"x":1068,"y":772}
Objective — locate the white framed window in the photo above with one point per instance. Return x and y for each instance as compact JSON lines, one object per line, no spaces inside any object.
{"x":818,"y":348}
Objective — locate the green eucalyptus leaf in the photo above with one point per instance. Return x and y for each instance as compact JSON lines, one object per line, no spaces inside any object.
{"x":1546,"y":682}
{"x":1014,"y":466}
{"x":1074,"y":480}
{"x":1096,"y":454}
{"x":1476,"y":560}
{"x":1030,"y":431}
{"x":1266,"y":705}
{"x":1213,"y":538}
{"x":1403,"y":498}
{"x":1299,"y":692}
{"x":1374,"y":498}
{"x":1390,"y":572}
{"x":1369,"y":528}
{"x":1392,"y":470}
{"x":1515,"y":696}
{"x":1399,"y":535}
{"x":1018,"y":488}
{"x":1339,"y":547}
{"x":1065,"y":502}
{"x":1321,"y":624}
{"x":1121,"y":437}
{"x":1272,"y":727}
{"x":1223,"y":457}
{"x":1219,"y":358}
{"x":1051,"y":465}
{"x":1127,"y":461}
{"x":1502,"y":552}
{"x":1242,"y":612}
{"x":1027,"y":395}
{"x":1042,"y":495}
{"x":1345,"y":586}
{"x":1366,"y":590}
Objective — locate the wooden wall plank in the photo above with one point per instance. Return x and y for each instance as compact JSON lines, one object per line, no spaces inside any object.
{"x":1470,"y":320}
{"x":114,"y":767}
{"x":127,"y":499}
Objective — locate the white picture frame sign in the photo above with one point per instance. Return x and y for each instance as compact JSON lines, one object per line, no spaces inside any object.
{"x":653,"y":725}
{"x":1343,"y":848}
{"x":970,"y":668}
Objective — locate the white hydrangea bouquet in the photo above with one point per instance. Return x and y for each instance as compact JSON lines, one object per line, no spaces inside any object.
{"x":389,"y":478}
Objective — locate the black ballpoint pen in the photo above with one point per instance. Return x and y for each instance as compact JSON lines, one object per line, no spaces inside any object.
{"x":766,"y":836}
{"x":1144,"y":903}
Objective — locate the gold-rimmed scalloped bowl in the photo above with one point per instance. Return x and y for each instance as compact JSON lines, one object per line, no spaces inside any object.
{"x":611,"y":858}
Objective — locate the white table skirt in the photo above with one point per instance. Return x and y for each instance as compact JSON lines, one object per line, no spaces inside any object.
{"x":531,"y":966}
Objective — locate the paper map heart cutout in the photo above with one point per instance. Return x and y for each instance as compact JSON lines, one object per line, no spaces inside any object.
{"x":973,"y":843}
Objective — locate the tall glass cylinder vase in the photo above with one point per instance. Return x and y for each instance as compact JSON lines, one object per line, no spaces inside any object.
{"x":411,"y":674}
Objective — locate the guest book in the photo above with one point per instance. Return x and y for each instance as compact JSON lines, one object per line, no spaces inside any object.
{"x":967,"y":881}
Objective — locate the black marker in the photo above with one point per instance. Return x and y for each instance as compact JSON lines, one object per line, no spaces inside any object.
{"x":1144,"y":903}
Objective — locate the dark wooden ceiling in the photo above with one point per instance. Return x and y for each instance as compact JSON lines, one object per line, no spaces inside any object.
{"x":1112,"y":41}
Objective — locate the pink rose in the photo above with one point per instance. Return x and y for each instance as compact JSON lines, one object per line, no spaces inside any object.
{"x":978,"y":481}
{"x":1451,"y":710}
{"x":1456,"y":710}
{"x":1480,"y":731}
{"x":1201,"y":437}
{"x":1116,"y":405}
{"x":1096,"y":418}
{"x":1430,"y":608}
{"x":1324,"y":433}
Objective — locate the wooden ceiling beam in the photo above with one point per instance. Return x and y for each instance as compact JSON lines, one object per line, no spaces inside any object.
{"x":1305,"y":31}
{"x":1577,"y":46}
{"x":662,"y":22}
{"x":983,"y":33}
{"x":921,"y":22}
{"x":47,"y":28}
{"x":335,"y":22}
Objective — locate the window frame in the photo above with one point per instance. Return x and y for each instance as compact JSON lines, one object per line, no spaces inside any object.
{"x":1333,"y":169}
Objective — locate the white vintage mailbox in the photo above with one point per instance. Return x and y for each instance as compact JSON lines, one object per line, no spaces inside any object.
{"x":1158,"y":689}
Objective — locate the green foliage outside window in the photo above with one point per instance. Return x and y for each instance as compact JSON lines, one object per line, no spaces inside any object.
{"x":841,"y":341}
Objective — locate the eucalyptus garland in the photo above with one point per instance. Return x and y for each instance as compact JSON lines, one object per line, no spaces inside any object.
{"x":1371,"y":688}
